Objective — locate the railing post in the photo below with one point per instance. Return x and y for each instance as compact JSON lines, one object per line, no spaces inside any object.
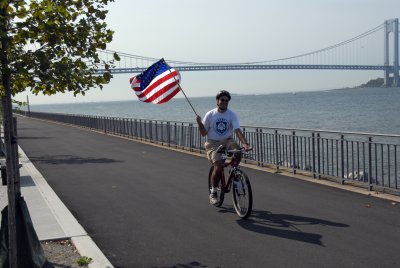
{"x":105,"y":124}
{"x":294,"y":151}
{"x":151,"y":130}
{"x":98,"y":123}
{"x":244,"y":134}
{"x":139,"y":128}
{"x":276,"y":150}
{"x":143,"y":128}
{"x":130,"y":128}
{"x":191,"y":137}
{"x":113,"y":125}
{"x":175,"y":135}
{"x":181,"y":139}
{"x":370,"y":163}
{"x":318,"y":155}
{"x":169,"y":134}
{"x":156,"y":130}
{"x":395,"y":167}
{"x":342,"y":157}
{"x":162,"y":132}
{"x":133,"y":128}
{"x":313,"y":154}
{"x":257,"y":147}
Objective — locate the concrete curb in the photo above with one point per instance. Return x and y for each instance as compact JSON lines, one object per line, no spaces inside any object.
{"x":71,"y":227}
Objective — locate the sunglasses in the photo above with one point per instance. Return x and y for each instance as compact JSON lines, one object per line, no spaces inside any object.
{"x":223,"y":100}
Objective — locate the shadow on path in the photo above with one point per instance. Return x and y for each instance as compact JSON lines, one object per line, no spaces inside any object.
{"x":72,"y":160}
{"x":34,"y":138}
{"x":193,"y":264}
{"x":283,"y":225}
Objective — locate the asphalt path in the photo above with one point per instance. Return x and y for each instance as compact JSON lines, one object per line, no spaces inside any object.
{"x":146,"y":206}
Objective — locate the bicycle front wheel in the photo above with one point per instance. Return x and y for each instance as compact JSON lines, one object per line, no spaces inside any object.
{"x":242,"y":194}
{"x":220,"y":189}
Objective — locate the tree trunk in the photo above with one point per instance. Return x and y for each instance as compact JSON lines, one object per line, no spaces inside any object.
{"x":8,"y":138}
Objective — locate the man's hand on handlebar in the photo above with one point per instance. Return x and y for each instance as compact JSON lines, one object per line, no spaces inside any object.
{"x":247,"y":147}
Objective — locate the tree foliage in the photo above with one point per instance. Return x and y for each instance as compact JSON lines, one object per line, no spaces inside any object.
{"x":378,"y":82}
{"x":53,"y":45}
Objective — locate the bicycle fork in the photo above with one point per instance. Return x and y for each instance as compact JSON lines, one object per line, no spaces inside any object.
{"x":236,"y":184}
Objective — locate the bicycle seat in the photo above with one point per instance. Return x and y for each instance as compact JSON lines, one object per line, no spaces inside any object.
{"x":221,"y":149}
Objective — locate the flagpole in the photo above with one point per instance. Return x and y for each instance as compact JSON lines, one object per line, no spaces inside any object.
{"x":187,"y":99}
{"x":184,"y":94}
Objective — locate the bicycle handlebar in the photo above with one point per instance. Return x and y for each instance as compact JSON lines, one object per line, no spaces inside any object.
{"x":221,"y":149}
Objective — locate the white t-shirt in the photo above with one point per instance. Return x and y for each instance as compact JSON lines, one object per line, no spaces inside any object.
{"x":220,"y":126}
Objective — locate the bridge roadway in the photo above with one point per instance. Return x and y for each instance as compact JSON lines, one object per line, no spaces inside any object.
{"x":230,"y":67}
{"x":146,"y":206}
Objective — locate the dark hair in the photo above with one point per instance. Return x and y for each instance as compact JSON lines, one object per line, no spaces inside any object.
{"x":223,"y":93}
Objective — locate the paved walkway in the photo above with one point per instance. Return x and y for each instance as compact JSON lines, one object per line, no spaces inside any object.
{"x":50,"y":217}
{"x":148,"y":207}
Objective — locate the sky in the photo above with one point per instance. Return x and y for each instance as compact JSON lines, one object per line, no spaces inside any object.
{"x":235,"y":31}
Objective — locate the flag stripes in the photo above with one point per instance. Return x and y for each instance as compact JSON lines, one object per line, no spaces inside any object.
{"x":158,"y":84}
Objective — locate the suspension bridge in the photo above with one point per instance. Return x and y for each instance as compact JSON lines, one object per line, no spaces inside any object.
{"x":362,"y":52}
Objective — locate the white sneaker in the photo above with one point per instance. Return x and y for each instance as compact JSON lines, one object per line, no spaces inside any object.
{"x":213,"y":198}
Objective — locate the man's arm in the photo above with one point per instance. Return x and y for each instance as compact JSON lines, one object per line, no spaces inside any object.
{"x":202,"y":129}
{"x":242,"y":138}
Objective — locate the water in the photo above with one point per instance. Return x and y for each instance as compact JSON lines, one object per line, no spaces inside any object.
{"x":372,"y":110}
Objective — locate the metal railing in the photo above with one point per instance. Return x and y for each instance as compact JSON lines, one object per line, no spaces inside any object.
{"x":365,"y":159}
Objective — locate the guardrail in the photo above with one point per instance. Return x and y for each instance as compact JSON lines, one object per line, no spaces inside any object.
{"x":365,"y":159}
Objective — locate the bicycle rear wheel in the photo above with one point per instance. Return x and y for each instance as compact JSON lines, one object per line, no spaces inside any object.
{"x":220,"y":189}
{"x":242,"y":194}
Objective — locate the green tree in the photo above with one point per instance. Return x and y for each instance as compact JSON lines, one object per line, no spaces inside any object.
{"x":47,"y":46}
{"x":52,"y":45}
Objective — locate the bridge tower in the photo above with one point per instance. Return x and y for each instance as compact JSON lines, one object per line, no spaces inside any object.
{"x":392,"y":26}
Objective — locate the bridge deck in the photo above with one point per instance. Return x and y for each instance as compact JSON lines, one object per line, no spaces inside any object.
{"x":231,"y":67}
{"x":148,"y":207}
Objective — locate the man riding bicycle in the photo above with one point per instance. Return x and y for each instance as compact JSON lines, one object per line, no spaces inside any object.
{"x":219,"y":124}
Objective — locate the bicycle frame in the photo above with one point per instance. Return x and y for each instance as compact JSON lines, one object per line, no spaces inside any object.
{"x":234,"y":165}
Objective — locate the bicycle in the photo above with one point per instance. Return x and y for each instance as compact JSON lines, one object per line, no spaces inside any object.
{"x":242,"y":195}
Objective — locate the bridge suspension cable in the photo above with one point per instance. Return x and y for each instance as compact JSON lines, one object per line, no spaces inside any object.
{"x":325,"y":49}
{"x":365,"y":51}
{"x":177,"y":62}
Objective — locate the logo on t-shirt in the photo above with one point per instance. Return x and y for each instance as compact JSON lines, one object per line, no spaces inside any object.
{"x":221,"y":126}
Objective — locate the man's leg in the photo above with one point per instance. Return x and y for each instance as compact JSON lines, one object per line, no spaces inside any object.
{"x":216,"y":160}
{"x":216,"y":174}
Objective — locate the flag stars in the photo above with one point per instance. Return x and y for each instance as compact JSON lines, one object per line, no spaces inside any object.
{"x":164,"y":82}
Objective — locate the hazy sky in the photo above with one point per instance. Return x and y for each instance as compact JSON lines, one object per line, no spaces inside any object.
{"x":236,"y":31}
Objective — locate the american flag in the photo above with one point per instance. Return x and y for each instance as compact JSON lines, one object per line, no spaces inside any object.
{"x":158,"y":84}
